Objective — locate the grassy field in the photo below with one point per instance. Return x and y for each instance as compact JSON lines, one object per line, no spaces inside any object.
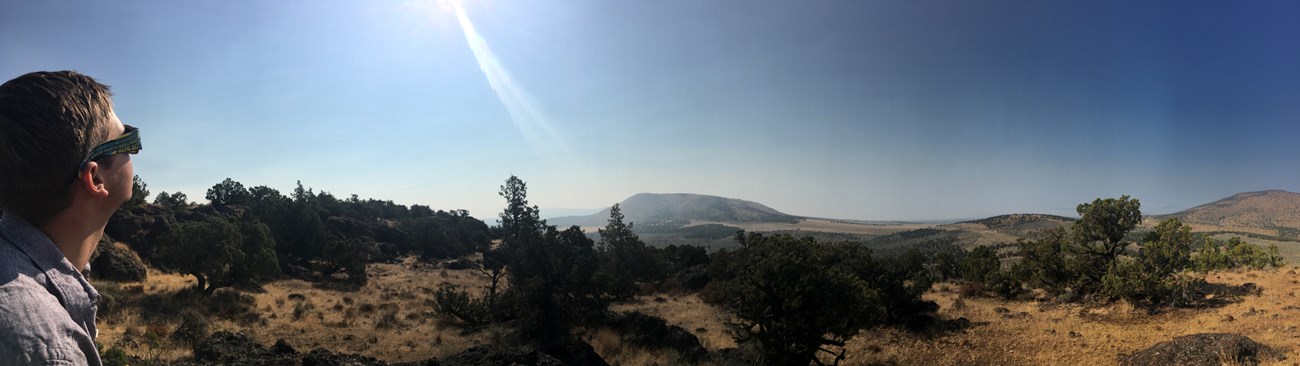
{"x":391,"y":319}
{"x":1042,"y":333}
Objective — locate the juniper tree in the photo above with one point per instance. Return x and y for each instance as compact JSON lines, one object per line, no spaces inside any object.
{"x":624,"y":258}
{"x":219,"y":252}
{"x":793,"y":297}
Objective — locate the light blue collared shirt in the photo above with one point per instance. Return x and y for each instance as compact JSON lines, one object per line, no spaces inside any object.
{"x":47,"y":308}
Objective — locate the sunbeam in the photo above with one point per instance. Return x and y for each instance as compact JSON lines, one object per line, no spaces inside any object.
{"x":524,"y":113}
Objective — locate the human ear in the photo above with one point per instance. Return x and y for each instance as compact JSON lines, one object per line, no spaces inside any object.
{"x":91,"y":180}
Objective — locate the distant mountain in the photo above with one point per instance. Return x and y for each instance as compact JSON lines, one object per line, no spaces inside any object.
{"x":677,"y":209}
{"x":1263,"y":209}
{"x":550,"y":213}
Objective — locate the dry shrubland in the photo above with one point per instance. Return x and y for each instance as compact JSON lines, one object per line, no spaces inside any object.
{"x":390,"y":319}
{"x":1043,"y":332}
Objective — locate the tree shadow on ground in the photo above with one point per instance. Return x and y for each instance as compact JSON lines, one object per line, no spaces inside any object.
{"x":1213,"y":295}
{"x":171,"y":306}
{"x":930,"y":326}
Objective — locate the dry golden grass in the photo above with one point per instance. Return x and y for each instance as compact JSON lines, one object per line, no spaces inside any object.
{"x":390,"y":318}
{"x":1031,"y":333}
{"x":610,"y":346}
{"x":707,"y":322}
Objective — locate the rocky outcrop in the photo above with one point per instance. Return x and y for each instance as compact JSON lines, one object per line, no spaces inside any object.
{"x":138,"y":226}
{"x":116,"y":262}
{"x":323,"y":357}
{"x":496,"y":355}
{"x":348,"y":227}
{"x":1208,"y":349}
{"x":225,"y":348}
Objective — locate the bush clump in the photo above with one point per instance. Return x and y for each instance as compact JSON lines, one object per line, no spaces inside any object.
{"x":1235,"y":253}
{"x":454,"y":303}
{"x":1091,"y":261}
{"x":794,"y":296}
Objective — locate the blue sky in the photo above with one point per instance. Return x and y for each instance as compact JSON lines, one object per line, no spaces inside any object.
{"x":849,"y":109}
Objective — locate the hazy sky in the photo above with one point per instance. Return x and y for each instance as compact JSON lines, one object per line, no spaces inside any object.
{"x":845,"y":109}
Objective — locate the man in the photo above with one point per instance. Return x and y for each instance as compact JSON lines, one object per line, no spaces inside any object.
{"x":65,"y":167}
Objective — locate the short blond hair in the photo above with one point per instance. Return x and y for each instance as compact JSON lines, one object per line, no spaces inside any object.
{"x":49,"y":122}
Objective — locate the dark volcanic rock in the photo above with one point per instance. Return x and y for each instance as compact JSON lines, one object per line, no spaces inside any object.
{"x":1209,"y":349}
{"x":116,"y":262}
{"x":283,"y":347}
{"x":225,"y":348}
{"x":494,"y":355}
{"x":575,"y":352}
{"x":349,"y":227}
{"x":139,"y":226}
{"x":322,"y":357}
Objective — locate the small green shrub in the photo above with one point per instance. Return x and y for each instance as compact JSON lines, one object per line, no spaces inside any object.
{"x":453,"y":303}
{"x":1005,"y":284}
{"x":1043,"y":262}
{"x":194,"y":327}
{"x":114,"y":357}
{"x":980,"y":264}
{"x":1233,"y":254}
{"x":1128,"y":280}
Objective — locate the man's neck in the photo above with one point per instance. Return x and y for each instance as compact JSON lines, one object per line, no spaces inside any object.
{"x":75,"y":235}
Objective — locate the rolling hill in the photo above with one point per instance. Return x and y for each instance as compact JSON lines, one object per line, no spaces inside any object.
{"x":711,"y":221}
{"x":1265,"y":217}
{"x":680,"y":209}
{"x":1263,"y":209}
{"x":998,"y":231}
{"x":1021,"y":225}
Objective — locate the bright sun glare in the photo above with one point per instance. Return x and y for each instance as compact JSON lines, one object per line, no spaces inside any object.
{"x":525,"y":112}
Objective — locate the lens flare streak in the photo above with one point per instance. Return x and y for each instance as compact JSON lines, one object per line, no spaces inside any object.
{"x":524,"y":113}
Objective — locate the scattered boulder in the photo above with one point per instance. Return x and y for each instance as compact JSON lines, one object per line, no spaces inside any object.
{"x":1209,"y":349}
{"x":958,"y":324}
{"x":283,"y":347}
{"x":116,"y":262}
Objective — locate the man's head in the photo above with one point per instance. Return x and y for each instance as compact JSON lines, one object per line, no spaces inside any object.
{"x":49,"y":124}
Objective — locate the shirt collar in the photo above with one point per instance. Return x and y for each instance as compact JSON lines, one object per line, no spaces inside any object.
{"x":42,"y":251}
{"x":32,"y":241}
